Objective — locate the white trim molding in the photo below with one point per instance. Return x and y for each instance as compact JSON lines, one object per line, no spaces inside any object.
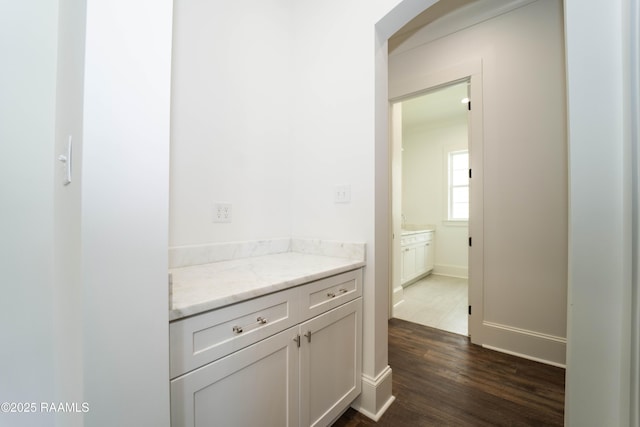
{"x":532,"y":345}
{"x":376,"y":395}
{"x":459,"y":271}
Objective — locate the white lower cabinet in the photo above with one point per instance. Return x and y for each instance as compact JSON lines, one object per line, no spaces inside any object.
{"x":330,"y":363}
{"x":256,"y":386}
{"x":408,"y":264}
{"x":417,"y":256}
{"x":305,"y":375}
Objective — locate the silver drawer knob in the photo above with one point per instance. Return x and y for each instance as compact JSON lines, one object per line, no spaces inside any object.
{"x":237,"y":329}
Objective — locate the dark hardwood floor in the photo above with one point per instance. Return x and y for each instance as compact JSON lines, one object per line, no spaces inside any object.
{"x":441,"y":379}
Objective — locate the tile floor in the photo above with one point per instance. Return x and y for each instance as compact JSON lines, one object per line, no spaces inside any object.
{"x":436,"y":301}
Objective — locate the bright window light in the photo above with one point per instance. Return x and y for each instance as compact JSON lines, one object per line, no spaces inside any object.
{"x":459,"y":185}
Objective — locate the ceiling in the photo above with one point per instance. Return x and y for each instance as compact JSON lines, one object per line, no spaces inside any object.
{"x":437,"y":105}
{"x":430,"y":15}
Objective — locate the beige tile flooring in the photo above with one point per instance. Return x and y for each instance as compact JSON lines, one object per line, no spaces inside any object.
{"x":436,"y":301}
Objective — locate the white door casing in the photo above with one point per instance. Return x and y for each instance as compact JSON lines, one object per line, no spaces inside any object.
{"x":420,"y":83}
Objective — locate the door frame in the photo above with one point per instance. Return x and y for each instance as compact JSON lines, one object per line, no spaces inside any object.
{"x":470,"y":71}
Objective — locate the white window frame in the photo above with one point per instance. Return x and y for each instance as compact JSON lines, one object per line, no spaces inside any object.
{"x":450,"y":187}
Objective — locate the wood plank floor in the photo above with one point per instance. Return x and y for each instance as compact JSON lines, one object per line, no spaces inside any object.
{"x":441,"y":379}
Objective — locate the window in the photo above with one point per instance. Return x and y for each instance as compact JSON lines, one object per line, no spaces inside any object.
{"x":459,"y":185}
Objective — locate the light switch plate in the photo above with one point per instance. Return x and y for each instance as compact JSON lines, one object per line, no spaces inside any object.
{"x":342,"y":194}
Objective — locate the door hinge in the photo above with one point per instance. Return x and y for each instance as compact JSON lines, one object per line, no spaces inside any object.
{"x":469,"y":173}
{"x":469,"y":310}
{"x":469,"y":105}
{"x":470,"y":242}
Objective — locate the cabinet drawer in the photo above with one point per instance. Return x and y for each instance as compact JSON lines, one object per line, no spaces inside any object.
{"x":322,"y":295}
{"x":413,"y":239}
{"x":198,"y":340}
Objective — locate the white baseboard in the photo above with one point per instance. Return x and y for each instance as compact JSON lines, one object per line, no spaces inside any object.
{"x":461,"y":271}
{"x":524,"y":356}
{"x":376,"y":395}
{"x":544,"y":348}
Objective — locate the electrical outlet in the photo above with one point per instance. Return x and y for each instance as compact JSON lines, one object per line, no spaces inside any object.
{"x":342,"y":194}
{"x":222,"y":212}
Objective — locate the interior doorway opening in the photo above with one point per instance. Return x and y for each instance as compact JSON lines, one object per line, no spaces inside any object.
{"x":430,"y":193}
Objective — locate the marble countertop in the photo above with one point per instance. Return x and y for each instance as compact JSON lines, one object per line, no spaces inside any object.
{"x":199,"y":288}
{"x":409,"y":232}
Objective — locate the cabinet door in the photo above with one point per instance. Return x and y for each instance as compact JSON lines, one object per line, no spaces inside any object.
{"x":429,"y":256}
{"x":330,"y":363}
{"x":421,"y":259}
{"x":408,"y":264}
{"x":256,"y":386}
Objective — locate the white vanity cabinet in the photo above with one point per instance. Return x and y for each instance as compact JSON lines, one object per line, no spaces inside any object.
{"x":417,"y":255}
{"x":291,"y":358}
{"x":330,"y":363}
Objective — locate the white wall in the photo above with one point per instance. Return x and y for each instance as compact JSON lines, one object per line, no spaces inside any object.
{"x":125,"y":212}
{"x":333,"y":130}
{"x":424,"y":188}
{"x":231,"y":114}
{"x":524,"y":164}
{"x":600,"y":287}
{"x":633,"y":94}
{"x":67,"y":298}
{"x":72,"y":310}
{"x":28,"y":30}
